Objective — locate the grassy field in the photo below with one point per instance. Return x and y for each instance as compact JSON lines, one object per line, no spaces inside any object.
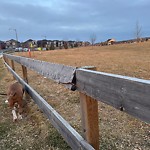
{"x":118,"y":131}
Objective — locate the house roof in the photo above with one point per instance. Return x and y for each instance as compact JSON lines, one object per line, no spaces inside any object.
{"x":111,"y":40}
{"x":30,"y":40}
{"x":12,"y":40}
{"x":1,"y":42}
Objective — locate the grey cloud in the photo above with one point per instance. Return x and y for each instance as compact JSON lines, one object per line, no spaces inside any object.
{"x":74,"y":18}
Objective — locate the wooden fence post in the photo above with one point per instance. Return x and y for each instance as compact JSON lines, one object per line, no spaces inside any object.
{"x":4,"y":57}
{"x":7,"y":61}
{"x":13,"y":67}
{"x":24,"y":72}
{"x":25,"y":77}
{"x":89,"y":118}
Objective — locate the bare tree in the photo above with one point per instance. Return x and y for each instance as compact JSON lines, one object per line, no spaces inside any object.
{"x":93,"y":39}
{"x":138,"y":31}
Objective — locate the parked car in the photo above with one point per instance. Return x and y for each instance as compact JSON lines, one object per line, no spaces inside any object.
{"x":25,"y":49}
{"x":18,"y":49}
{"x":44,"y":49}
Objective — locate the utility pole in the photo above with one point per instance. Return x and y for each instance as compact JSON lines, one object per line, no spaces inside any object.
{"x":42,"y":41}
{"x":15,"y":35}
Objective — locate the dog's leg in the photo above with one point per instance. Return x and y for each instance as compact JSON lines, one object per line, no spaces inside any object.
{"x":14,"y":115}
{"x":6,"y":102}
{"x":20,"y":116}
{"x":20,"y":105}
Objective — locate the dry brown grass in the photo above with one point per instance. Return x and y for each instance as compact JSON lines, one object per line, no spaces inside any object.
{"x":117,"y":130}
{"x":126,"y":59}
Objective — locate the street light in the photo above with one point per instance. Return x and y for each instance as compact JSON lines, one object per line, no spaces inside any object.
{"x":16,"y":36}
{"x":15,"y":33}
{"x":42,"y":44}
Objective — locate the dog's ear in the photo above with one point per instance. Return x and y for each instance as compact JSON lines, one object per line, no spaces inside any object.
{"x":13,"y":94}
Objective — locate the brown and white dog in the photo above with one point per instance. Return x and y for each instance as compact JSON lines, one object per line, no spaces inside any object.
{"x":15,"y":98}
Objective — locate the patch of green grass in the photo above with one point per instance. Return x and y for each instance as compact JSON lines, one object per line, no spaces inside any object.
{"x":4,"y":105}
{"x":5,"y":128}
{"x":55,"y":139}
{"x":107,"y":144}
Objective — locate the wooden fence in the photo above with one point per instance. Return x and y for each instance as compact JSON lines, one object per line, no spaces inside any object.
{"x":127,"y":94}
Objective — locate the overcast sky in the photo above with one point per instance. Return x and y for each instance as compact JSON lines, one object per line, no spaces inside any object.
{"x":73,"y":19}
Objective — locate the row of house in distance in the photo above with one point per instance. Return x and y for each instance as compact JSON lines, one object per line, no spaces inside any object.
{"x":113,"y":41}
{"x":41,"y":44}
{"x":59,"y":44}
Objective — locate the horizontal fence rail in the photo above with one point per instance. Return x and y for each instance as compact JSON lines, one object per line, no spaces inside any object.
{"x":127,"y":94}
{"x":57,"y":72}
{"x":73,"y":138}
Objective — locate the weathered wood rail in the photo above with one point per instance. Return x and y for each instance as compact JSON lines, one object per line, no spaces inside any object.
{"x":131,"y":95}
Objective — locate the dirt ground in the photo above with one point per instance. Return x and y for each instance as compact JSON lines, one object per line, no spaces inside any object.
{"x":118,"y":131}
